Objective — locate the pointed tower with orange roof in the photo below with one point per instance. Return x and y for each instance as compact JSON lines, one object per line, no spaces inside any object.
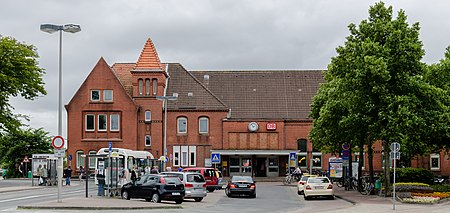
{"x":149,"y":75}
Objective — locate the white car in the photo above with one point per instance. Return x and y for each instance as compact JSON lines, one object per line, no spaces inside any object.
{"x":302,"y":182}
{"x":318,"y":186}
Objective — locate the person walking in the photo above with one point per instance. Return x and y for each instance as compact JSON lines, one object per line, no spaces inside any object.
{"x":21,"y":169}
{"x":81,"y":174}
{"x":68,"y":174}
{"x":44,"y":175}
{"x":39,"y":174}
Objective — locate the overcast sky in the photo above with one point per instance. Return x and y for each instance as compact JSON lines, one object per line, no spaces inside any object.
{"x":201,"y":35}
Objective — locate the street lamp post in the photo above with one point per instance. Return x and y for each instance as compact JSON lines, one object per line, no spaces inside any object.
{"x":51,"y":28}
{"x":165,"y":99}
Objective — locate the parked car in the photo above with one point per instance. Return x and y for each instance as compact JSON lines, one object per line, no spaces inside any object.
{"x":239,"y":185}
{"x":302,"y":182}
{"x":219,"y":182}
{"x":210,"y":175}
{"x":194,"y":184}
{"x":318,"y":186}
{"x":155,"y":188}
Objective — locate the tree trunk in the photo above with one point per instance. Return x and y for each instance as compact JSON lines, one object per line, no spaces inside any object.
{"x":360,"y":165}
{"x":370,"y":158}
{"x":387,"y":169}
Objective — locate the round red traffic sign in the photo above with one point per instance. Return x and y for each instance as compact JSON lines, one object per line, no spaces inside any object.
{"x":58,"y":142}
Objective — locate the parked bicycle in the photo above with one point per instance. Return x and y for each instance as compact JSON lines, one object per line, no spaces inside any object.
{"x":367,"y":187}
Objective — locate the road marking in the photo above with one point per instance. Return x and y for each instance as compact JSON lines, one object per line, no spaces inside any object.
{"x":35,"y":196}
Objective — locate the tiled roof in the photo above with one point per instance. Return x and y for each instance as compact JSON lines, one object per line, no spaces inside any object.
{"x":122,"y":71}
{"x":148,"y":60}
{"x":284,"y":94}
{"x":192,"y":94}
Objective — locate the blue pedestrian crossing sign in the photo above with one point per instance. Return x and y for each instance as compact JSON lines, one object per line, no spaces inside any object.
{"x":292,"y":156}
{"x":215,"y":157}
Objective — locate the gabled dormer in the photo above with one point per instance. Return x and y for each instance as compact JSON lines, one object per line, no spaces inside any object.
{"x":148,"y":75}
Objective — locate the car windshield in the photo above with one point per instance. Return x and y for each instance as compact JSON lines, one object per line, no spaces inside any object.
{"x":242,"y":179}
{"x":172,"y":180}
{"x":195,"y":178}
{"x":318,"y":180}
{"x":174,"y":175}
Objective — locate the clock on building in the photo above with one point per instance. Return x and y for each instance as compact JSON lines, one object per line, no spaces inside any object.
{"x":253,"y":126}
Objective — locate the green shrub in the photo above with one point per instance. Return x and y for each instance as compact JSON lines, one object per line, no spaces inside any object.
{"x":414,"y":175}
{"x":441,"y":188}
{"x":413,"y":187}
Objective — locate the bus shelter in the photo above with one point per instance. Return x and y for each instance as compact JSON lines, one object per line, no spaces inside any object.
{"x":50,"y":161}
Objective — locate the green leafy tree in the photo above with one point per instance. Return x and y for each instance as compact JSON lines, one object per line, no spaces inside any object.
{"x":375,"y":90}
{"x":14,"y":146}
{"x":19,"y":75}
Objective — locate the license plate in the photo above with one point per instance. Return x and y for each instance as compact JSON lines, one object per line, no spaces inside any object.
{"x":243,"y":186}
{"x":175,"y":193}
{"x":319,"y":187}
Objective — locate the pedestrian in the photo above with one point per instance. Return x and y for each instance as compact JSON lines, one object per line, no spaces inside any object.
{"x":68,"y":174}
{"x":133,"y":175}
{"x":180,"y":169}
{"x":21,"y":169}
{"x":81,"y":174}
{"x":154,"y":170}
{"x":45,"y":174}
{"x":39,"y":174}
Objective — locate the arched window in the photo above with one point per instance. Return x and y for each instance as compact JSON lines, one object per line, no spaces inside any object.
{"x":148,"y":140}
{"x":203,"y":125}
{"x":148,"y":116}
{"x":182,"y":125}
{"x":155,"y":86}
{"x":147,"y":87}
{"x":80,"y":159}
{"x":92,"y":160}
{"x":140,"y":86}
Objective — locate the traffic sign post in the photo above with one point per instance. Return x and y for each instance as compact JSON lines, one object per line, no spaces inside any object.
{"x":395,"y":154}
{"x":58,"y":144}
{"x":215,"y":157}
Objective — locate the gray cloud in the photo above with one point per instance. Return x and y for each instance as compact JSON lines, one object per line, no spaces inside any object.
{"x":201,"y":35}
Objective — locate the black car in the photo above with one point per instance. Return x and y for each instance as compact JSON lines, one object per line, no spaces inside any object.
{"x":155,"y":188}
{"x":241,"y":185}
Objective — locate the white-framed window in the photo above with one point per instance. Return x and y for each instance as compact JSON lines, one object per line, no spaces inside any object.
{"x":90,"y":122}
{"x":148,"y":115}
{"x":155,"y":86}
{"x":148,"y":140}
{"x":435,"y":162}
{"x":147,"y":87}
{"x":182,"y":125}
{"x":80,"y":159}
{"x":102,"y":122}
{"x":92,"y":160}
{"x":95,"y":95}
{"x":192,"y":155}
{"x":107,"y":95}
{"x":176,"y":155}
{"x":184,"y":156}
{"x":114,"y":122}
{"x":317,"y":160}
{"x":141,"y":82}
{"x":203,"y":125}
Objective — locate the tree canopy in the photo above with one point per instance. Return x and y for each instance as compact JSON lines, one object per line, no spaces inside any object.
{"x":377,"y":88}
{"x":14,"y":146}
{"x":19,"y":75}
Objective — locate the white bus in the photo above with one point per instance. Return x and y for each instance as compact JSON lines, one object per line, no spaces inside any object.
{"x":122,"y":161}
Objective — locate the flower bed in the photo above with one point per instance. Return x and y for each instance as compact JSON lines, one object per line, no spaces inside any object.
{"x":427,"y":198}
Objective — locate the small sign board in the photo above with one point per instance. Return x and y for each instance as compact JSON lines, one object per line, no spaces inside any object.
{"x":58,"y":142}
{"x":271,"y":126}
{"x":292,"y":156}
{"x":395,"y":155}
{"x":59,"y":153}
{"x":395,"y":147}
{"x":335,"y":167}
{"x":215,"y":157}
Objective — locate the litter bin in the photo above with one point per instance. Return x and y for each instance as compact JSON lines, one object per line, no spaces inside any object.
{"x":101,"y":186}
{"x":30,"y":175}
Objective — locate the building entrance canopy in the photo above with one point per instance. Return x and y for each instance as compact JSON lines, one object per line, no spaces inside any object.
{"x":252,"y":152}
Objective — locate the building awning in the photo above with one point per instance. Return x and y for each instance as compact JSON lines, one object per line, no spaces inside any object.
{"x":253,"y":152}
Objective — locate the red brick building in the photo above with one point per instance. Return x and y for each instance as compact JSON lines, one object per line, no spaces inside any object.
{"x":253,"y":119}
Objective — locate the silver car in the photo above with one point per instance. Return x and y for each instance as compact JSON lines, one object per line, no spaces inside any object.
{"x":194,"y":184}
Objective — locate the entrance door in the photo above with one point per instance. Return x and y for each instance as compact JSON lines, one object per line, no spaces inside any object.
{"x":261,"y":169}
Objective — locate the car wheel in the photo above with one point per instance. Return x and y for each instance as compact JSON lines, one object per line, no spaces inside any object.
{"x":227,"y":192}
{"x":299,"y":193}
{"x":198,"y":199}
{"x":331,"y":197}
{"x":179,"y":201}
{"x":211,"y":190}
{"x":125,"y":195}
{"x":306,"y":198}
{"x":156,"y":198}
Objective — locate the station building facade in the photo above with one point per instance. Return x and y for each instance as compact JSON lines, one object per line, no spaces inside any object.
{"x":253,"y":119}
